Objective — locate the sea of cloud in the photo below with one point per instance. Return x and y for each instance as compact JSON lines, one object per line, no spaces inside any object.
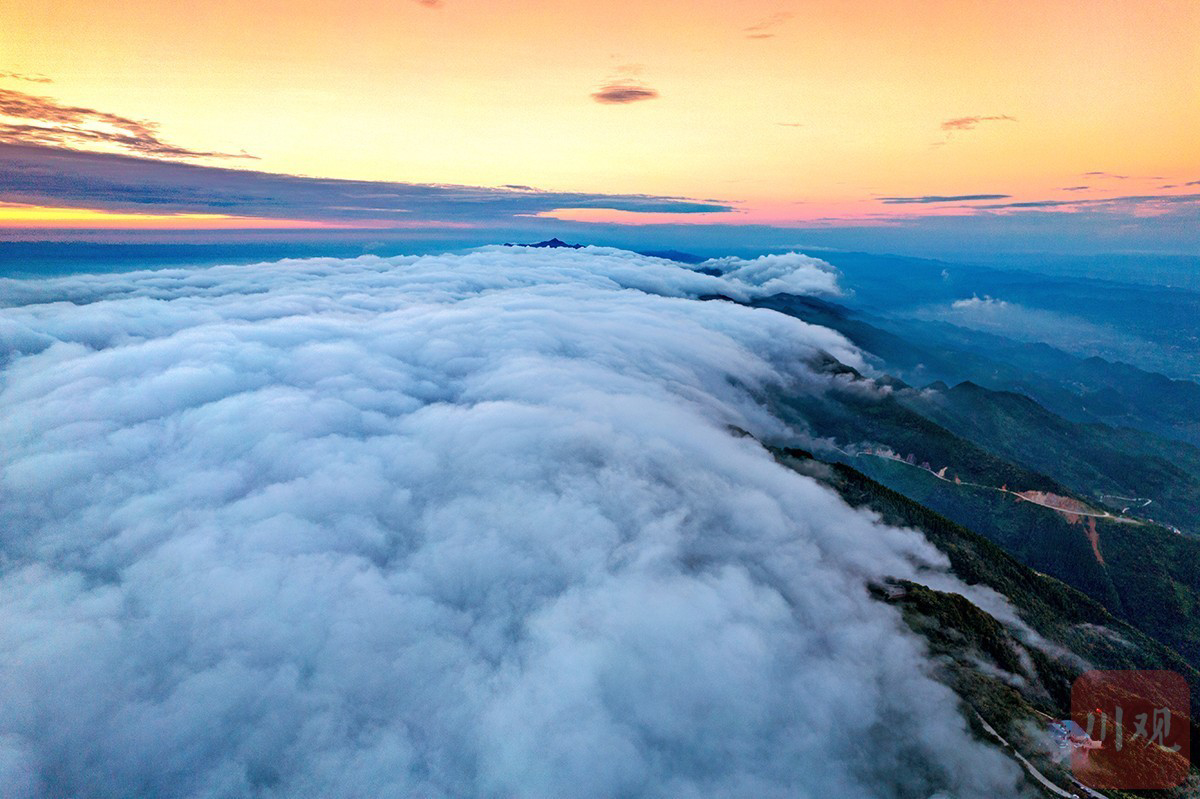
{"x":472,"y":525}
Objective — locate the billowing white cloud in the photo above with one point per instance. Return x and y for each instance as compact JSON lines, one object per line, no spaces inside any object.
{"x":444,"y":526}
{"x":787,"y":273}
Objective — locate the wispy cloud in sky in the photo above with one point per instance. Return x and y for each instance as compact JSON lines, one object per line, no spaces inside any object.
{"x":1114,"y":176}
{"x":1130,"y":200}
{"x":970,"y":123}
{"x":58,"y":177}
{"x":28,"y":78}
{"x":766,"y":27}
{"x":942,"y":198}
{"x":624,"y":86}
{"x":958,"y":125}
{"x":43,"y":120}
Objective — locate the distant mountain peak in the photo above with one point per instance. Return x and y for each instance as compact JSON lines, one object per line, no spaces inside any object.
{"x":554,"y":243}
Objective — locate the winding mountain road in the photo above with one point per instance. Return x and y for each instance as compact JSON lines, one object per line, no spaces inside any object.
{"x":1087,"y":513}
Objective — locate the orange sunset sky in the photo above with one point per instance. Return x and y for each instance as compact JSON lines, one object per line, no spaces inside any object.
{"x":788,"y":112}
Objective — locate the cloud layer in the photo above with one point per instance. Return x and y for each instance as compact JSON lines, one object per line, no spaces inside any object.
{"x":442,"y":526}
{"x":623,"y":92}
{"x":44,"y":120}
{"x":61,"y":177}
